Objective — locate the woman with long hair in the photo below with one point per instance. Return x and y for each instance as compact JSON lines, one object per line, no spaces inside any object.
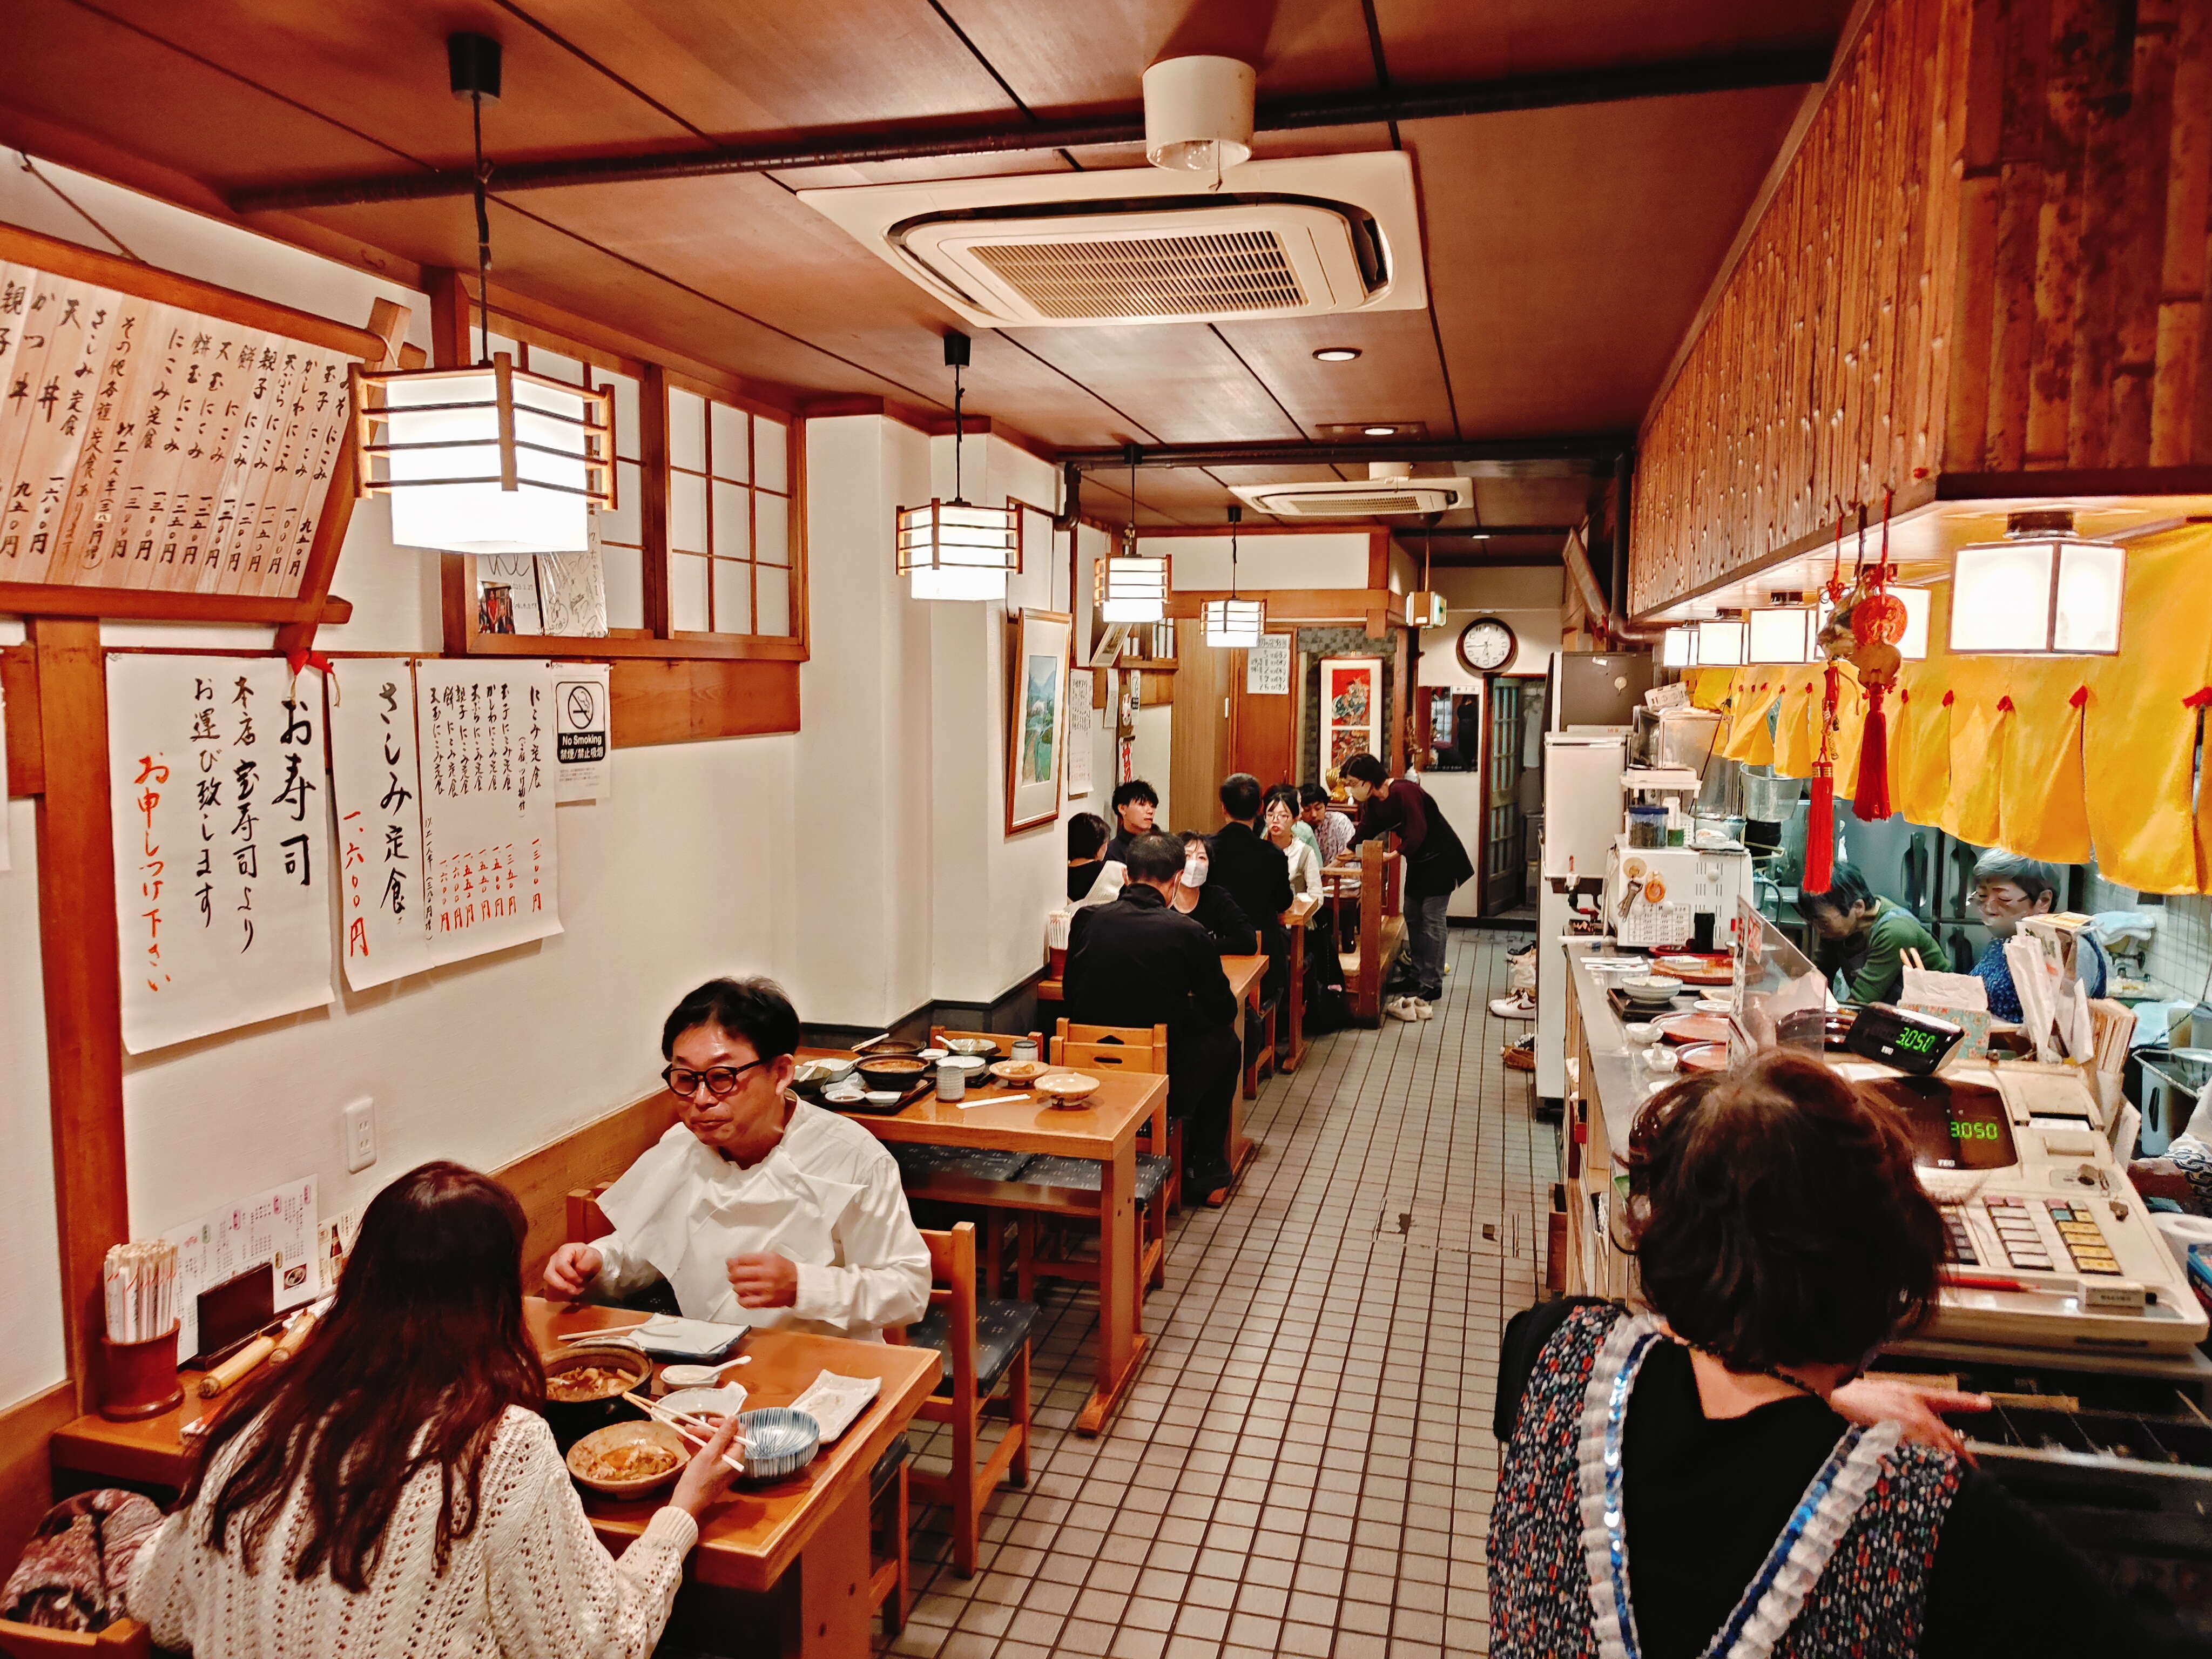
{"x":394,"y":1489}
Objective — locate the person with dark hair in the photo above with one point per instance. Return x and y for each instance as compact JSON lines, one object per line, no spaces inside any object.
{"x":1436,"y":864}
{"x":1136,"y":804}
{"x":1203,"y":900}
{"x":1255,"y":876}
{"x":1092,"y":878}
{"x":2008,"y":889}
{"x":1138,"y":962}
{"x":757,"y":1208}
{"x":394,"y":1490}
{"x":1280,"y":828}
{"x":1332,"y":829}
{"x":1718,"y":1468}
{"x":1863,"y":936}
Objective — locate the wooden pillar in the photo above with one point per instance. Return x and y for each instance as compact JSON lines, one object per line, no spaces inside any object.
{"x":81,"y":974}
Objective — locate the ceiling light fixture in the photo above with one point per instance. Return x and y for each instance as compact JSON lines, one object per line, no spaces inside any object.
{"x":1232,"y":622}
{"x":1378,"y":431}
{"x":2042,"y":591}
{"x":1680,"y":647}
{"x":1130,"y":589}
{"x":1336,"y":354}
{"x":1198,"y":114}
{"x":1425,"y":609}
{"x":955,"y":549}
{"x":491,"y":459}
{"x":1725,"y":643}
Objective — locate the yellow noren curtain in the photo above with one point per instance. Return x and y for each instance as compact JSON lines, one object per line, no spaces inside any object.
{"x":1747,"y":739}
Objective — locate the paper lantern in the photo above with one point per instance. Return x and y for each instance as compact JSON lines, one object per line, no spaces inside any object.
{"x":1131,"y":589}
{"x":2037,"y":596}
{"x":1785,"y":633}
{"x":1235,"y":622}
{"x":955,"y":550}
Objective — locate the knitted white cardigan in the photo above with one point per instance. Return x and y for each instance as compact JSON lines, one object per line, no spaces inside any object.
{"x":530,"y":1579}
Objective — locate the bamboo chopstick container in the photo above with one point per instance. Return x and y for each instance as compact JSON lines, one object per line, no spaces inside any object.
{"x":139,"y":1379}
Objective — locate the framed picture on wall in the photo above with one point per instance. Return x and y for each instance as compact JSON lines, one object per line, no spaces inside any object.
{"x":1351,"y":715}
{"x":1036,"y":709}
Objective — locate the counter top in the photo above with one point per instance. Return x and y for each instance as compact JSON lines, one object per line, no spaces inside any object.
{"x":1610,"y":1074}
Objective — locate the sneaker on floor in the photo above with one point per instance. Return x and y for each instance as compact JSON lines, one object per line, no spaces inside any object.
{"x":1424,"y":1008}
{"x":1400,"y":1008}
{"x":1519,"y":1005}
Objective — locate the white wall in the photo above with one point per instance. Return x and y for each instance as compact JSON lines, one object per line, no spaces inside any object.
{"x":30,"y":1254}
{"x":1527,"y":600}
{"x":1322,"y":559}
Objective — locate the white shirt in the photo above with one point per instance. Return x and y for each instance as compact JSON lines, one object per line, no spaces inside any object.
{"x":828,"y":1196}
{"x":530,"y":1581}
{"x":1305,"y":868}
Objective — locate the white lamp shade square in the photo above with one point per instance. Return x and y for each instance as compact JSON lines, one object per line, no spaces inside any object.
{"x":1721,"y":644}
{"x":954,"y":550}
{"x":1913,"y":648}
{"x":1679,"y":648}
{"x":1132,"y":589}
{"x":2091,"y":578}
{"x":1235,"y":622}
{"x":2045,"y":597}
{"x":1786,"y":635}
{"x":957,"y":582}
{"x":450,"y":497}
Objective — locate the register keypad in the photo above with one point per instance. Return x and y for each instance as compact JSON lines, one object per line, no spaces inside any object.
{"x":1958,"y":1243}
{"x":2015,"y":1231}
{"x":2083,"y":1239}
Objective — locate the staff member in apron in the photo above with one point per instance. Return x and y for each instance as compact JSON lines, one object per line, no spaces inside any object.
{"x":757,"y":1208}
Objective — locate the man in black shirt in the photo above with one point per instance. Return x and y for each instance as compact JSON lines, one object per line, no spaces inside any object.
{"x":1256,"y":875}
{"x":1135,"y":804}
{"x":1138,"y":962}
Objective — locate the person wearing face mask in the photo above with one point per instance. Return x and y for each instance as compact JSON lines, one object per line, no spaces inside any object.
{"x":1149,"y":958}
{"x":757,"y":1208}
{"x":1206,"y":902}
{"x":2008,"y":889}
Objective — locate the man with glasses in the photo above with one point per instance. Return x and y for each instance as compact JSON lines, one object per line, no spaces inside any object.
{"x":757,"y":1208}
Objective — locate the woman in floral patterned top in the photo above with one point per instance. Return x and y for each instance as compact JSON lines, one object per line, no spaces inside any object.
{"x":1762,"y":1497}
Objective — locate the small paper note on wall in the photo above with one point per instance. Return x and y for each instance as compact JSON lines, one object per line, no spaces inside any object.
{"x":488,"y":757}
{"x":381,"y":907}
{"x":585,"y":761}
{"x":221,"y":810}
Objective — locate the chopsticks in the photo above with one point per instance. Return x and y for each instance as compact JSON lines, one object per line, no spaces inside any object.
{"x":140,"y":1284}
{"x":685,"y":1425}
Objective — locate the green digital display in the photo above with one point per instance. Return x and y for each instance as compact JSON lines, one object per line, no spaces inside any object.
{"x":1915,"y":1040}
{"x":1980,"y":1131}
{"x":1953,"y":1126}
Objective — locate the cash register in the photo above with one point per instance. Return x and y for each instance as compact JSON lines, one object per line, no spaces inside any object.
{"x":2047,"y":1246}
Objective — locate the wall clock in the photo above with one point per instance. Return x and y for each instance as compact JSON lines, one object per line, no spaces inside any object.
{"x":1486,"y":645}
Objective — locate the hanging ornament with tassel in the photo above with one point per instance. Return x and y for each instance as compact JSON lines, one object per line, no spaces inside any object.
{"x":1820,"y":821}
{"x":1877,"y":624}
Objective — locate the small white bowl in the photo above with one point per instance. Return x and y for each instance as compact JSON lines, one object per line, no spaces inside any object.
{"x":690,"y":1377}
{"x":1712,"y":1004}
{"x":1662,"y":1058}
{"x":1641,"y":1033}
{"x":933,"y":1054}
{"x":880,"y":1097}
{"x":725,"y":1401}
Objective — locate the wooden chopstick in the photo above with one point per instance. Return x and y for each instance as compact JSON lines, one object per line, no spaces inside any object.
{"x":682,"y":1424}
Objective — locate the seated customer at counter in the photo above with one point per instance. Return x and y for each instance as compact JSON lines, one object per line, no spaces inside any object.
{"x":2008,"y":889}
{"x":757,"y":1208}
{"x":1136,"y":961}
{"x":1092,"y":878}
{"x":1864,"y":937}
{"x":1716,"y":1475}
{"x":1282,"y":829}
{"x":1196,"y":895}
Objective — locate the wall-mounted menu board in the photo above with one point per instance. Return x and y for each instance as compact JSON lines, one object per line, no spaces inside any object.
{"x":161,"y":436}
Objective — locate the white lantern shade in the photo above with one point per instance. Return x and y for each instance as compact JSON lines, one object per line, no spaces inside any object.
{"x":441,"y":459}
{"x":1235,"y":622}
{"x":1132,"y":589}
{"x":1722,"y":644}
{"x":1679,"y":648}
{"x":1787,"y":635}
{"x":1913,"y":648}
{"x":954,"y":550}
{"x":2054,"y":597}
{"x":1425,"y":610}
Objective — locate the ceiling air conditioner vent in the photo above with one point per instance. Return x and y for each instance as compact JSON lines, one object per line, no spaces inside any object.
{"x":1359,"y":498}
{"x":1313,"y":237}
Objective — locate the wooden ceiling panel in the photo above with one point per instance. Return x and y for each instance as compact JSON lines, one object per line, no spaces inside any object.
{"x":1396,"y":377}
{"x":1439,"y":40}
{"x":1569,"y":248}
{"x":1180,"y":380}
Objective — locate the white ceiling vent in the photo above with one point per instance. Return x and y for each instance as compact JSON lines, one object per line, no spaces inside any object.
{"x":1317,"y":236}
{"x":1359,"y":498}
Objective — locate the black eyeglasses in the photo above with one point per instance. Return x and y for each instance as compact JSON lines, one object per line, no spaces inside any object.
{"x":720,"y":1080}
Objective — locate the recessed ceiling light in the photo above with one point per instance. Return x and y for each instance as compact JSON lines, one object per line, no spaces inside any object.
{"x":1378,"y":431}
{"x":1336,"y":354}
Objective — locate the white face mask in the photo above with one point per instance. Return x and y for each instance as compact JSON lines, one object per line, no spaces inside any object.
{"x":1194,"y":873}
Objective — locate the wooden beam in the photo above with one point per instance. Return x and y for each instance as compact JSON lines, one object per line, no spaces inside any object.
{"x":715,"y":647}
{"x":160,"y":605}
{"x":27,"y":752}
{"x":653,"y":498}
{"x":82,"y":978}
{"x":656,"y":703}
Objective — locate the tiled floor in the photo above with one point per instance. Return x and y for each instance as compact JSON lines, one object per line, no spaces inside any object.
{"x":1306,"y":1464}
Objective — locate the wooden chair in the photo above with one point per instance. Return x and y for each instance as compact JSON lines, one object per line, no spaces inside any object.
{"x":126,"y":1638}
{"x":890,"y":1562}
{"x":1159,"y":1173}
{"x":986,"y":1344}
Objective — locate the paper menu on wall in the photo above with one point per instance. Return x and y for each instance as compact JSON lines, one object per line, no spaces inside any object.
{"x":486,"y":755}
{"x":221,"y":863}
{"x":379,"y":822}
{"x":277,"y":1226}
{"x":1080,"y":687}
{"x":1268,"y":666}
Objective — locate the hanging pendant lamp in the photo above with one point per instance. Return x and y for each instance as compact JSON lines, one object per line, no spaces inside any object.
{"x":2042,"y":591}
{"x":489,"y":459}
{"x":1129,"y":588}
{"x":1680,"y":647}
{"x":1232,"y":622}
{"x":1425,"y":609}
{"x":955,"y":549}
{"x":1785,"y":633}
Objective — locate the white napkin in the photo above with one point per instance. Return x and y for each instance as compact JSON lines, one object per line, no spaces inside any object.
{"x":833,"y":1401}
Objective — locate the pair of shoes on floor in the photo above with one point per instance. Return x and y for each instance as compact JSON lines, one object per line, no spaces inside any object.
{"x":1521,"y":952}
{"x":1409,"y":1008}
{"x":1519,"y":1056}
{"x":1519,"y":1005}
{"x":1209,"y":1180}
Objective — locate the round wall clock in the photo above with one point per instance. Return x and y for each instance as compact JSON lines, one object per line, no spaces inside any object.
{"x":1486,"y":645}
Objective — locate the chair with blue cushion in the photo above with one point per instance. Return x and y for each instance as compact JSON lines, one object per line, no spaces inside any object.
{"x":986,"y":1344}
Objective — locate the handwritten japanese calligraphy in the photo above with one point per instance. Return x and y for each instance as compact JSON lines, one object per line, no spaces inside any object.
{"x":381,"y":905}
{"x":220,"y":803}
{"x":488,"y":761}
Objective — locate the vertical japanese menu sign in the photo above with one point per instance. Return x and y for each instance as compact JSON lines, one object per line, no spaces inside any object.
{"x":379,"y":822}
{"x":220,"y":863}
{"x":487,"y":760}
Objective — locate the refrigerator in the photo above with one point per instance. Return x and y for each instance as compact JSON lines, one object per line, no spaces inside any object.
{"x":1583,"y":817}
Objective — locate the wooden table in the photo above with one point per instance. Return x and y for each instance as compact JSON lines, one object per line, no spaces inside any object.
{"x":1294,"y":1005}
{"x":1104,"y":1128}
{"x":802,"y":1543}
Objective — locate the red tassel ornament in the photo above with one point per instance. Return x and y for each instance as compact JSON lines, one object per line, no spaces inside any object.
{"x":1820,"y":831}
{"x":1871,"y":803}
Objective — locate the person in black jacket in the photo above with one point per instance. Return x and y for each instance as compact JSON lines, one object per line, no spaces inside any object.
{"x":1255,"y":875}
{"x":1135,"y":803}
{"x":1137,"y":962}
{"x":1435,"y":863}
{"x":1198,"y":896}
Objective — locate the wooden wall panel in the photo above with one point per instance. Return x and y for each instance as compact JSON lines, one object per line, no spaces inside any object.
{"x":683,"y":701}
{"x":1989,"y":256}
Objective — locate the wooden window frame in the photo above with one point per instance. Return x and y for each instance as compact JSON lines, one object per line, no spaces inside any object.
{"x":454,"y":318}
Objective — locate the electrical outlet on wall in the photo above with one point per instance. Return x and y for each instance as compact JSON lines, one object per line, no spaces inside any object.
{"x":360,"y":1135}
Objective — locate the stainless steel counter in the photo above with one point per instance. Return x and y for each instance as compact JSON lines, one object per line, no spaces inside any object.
{"x":1610,"y":1075}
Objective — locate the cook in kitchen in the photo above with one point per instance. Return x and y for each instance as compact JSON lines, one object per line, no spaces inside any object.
{"x":755,"y":1208}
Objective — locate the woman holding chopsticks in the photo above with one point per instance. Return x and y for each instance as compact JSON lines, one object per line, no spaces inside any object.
{"x":394,"y":1490}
